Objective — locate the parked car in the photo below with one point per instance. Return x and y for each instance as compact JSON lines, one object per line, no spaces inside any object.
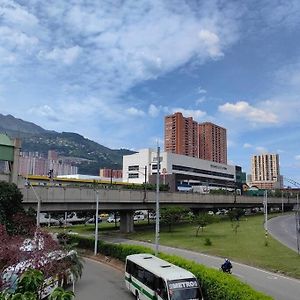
{"x":92,"y":221}
{"x":111,"y":219}
{"x":138,"y":217}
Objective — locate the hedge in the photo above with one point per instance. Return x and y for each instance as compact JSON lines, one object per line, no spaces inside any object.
{"x":215,"y":284}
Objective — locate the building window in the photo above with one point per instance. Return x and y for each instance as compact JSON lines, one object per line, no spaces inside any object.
{"x":133,"y":168}
{"x":133,"y":175}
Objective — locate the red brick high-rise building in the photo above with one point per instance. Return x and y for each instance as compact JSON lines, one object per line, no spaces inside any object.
{"x":186,"y":137}
{"x":181,"y":135}
{"x":212,"y":142}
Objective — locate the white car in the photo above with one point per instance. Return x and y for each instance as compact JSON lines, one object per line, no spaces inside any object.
{"x":138,"y":217}
{"x":112,"y":219}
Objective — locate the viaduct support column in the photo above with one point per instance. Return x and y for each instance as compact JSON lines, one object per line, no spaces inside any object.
{"x":126,"y":222}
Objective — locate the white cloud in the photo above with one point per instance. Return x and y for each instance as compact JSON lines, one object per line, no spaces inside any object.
{"x":12,"y":38}
{"x":200,"y":100}
{"x":7,"y":57}
{"x":64,"y":55}
{"x":212,"y":42}
{"x":281,"y":13}
{"x":261,"y":149}
{"x":16,"y":15}
{"x":244,"y":110}
{"x":297,"y":157}
{"x":201,"y":90}
{"x":45,"y":111}
{"x":246,"y":145}
{"x":135,"y":112}
{"x":197,"y":115}
{"x":154,"y":110}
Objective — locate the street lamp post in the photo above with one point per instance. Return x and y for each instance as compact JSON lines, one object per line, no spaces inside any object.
{"x":96,"y":222}
{"x":157,"y":204}
{"x":145,"y":181}
{"x":266,"y":214}
{"x":282,"y":205}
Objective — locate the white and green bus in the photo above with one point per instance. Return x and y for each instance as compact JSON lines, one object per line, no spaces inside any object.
{"x":149,"y":277}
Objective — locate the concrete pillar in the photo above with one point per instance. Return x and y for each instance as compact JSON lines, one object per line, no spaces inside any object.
{"x":15,"y":164}
{"x":126,"y":221}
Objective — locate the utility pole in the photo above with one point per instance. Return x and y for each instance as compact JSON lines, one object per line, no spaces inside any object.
{"x":145,"y":181}
{"x":266,"y":215}
{"x":282,"y":205}
{"x":157,"y":203}
{"x":297,"y":214}
{"x":96,"y":222}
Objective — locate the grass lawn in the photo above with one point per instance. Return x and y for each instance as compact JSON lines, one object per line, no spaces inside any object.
{"x":246,"y":246}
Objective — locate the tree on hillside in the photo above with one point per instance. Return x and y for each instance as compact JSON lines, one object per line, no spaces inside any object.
{"x":202,"y":220}
{"x":10,"y":202}
{"x":172,"y":215}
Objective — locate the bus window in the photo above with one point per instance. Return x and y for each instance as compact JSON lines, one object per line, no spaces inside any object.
{"x":162,"y":289}
{"x":140,"y":274}
{"x":149,"y":279}
{"x":184,"y":289}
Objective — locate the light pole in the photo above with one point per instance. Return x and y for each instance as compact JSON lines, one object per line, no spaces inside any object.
{"x":282,"y":205}
{"x":157,"y":203}
{"x":266,"y":215}
{"x":38,"y":211}
{"x":297,"y":213}
{"x":96,"y":222}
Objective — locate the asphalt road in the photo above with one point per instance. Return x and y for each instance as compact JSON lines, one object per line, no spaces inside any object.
{"x":283,"y":228}
{"x":101,"y":282}
{"x":275,"y":285}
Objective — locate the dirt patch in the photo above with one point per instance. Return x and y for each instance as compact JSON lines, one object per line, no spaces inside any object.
{"x":113,"y":262}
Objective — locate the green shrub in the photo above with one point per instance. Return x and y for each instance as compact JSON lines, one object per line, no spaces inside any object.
{"x":207,"y":242}
{"x":215,"y":284}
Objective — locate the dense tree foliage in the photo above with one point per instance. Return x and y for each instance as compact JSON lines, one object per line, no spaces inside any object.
{"x":202,"y":220}
{"x":10,"y":202}
{"x":29,"y":287}
{"x":172,"y":215}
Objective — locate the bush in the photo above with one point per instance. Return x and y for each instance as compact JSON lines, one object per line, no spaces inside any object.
{"x":215,"y":284}
{"x":207,"y":242}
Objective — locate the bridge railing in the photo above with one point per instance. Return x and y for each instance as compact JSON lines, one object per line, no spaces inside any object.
{"x":87,"y":195}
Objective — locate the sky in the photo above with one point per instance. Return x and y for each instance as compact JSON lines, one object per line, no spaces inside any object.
{"x":112,"y":69}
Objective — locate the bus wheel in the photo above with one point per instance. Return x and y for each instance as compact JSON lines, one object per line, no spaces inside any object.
{"x":137,"y":296}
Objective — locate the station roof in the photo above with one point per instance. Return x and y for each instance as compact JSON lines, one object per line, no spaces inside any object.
{"x":5,"y":140}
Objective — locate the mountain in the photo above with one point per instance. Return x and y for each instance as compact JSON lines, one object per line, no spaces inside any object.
{"x":88,"y":155}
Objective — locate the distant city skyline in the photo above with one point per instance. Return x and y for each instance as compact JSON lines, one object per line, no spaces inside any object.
{"x":111,"y":70}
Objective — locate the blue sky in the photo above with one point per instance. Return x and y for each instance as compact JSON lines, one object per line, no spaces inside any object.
{"x":111,"y":70}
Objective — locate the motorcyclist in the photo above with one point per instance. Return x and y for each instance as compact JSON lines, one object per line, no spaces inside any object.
{"x":226,"y":266}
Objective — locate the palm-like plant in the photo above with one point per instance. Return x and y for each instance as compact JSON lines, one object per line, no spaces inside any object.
{"x":76,"y":264}
{"x":18,"y":296}
{"x":25,"y":296}
{"x":60,"y":294}
{"x":30,"y":281}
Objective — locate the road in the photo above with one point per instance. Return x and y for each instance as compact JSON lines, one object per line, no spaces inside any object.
{"x":283,"y":228}
{"x":275,"y":285}
{"x":101,"y":282}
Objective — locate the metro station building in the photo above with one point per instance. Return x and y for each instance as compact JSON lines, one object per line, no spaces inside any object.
{"x":177,"y":170}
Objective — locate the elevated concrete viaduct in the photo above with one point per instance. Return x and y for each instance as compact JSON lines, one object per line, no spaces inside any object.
{"x":127,"y":201}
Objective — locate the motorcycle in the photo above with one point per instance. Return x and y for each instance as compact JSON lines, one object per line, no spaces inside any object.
{"x":226,"y":267}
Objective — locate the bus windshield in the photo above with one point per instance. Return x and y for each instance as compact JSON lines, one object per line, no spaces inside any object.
{"x":184,"y":289}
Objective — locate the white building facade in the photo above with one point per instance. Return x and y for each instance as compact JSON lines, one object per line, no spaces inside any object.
{"x":266,"y":171}
{"x":140,"y":167}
